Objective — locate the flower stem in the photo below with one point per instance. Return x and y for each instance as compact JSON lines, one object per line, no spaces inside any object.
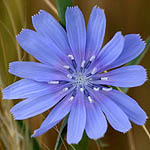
{"x":146,"y":131}
{"x":51,"y":6}
{"x":144,"y":127}
{"x":131,"y":140}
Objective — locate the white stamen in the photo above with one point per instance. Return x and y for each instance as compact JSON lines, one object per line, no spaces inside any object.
{"x":92,"y":58}
{"x":83,"y":63}
{"x":90,"y":99}
{"x":107,"y":89}
{"x":81,"y":89}
{"x":71,"y":98}
{"x":71,"y":57}
{"x":94,"y":70}
{"x":69,"y":76}
{"x":96,"y":89}
{"x":66,"y":67}
{"x":65,"y":89}
{"x":53,"y":82}
{"x":104,"y":78}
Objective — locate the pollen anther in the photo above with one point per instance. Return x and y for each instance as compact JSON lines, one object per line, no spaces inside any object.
{"x":69,"y":76}
{"x":65,"y":89}
{"x":53,"y":82}
{"x":92,"y":58}
{"x":96,"y":89}
{"x":71,"y":57}
{"x":90,"y":99}
{"x":71,"y":98}
{"x":94,"y":70}
{"x":81,"y":89}
{"x":104,"y":78}
{"x":66,"y":67}
{"x":107,"y":89}
{"x":83,"y":63}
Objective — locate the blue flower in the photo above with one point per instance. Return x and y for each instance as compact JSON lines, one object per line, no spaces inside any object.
{"x":72,"y":75}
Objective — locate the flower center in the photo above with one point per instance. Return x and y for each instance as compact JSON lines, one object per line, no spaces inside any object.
{"x":80,"y":79}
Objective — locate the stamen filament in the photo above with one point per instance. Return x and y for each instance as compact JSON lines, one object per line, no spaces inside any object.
{"x":87,"y":65}
{"x":74,"y":92}
{"x":86,"y":92}
{"x":74,"y":64}
{"x":73,"y":61}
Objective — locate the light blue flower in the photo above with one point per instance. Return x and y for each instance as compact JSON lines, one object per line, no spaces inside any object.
{"x":71,"y":75}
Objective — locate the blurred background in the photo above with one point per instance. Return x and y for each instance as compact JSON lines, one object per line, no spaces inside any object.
{"x":122,"y":15}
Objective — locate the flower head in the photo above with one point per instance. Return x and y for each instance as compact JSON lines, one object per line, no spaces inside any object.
{"x":72,"y":77}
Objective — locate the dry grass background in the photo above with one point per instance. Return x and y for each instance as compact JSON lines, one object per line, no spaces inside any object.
{"x":125,"y":15}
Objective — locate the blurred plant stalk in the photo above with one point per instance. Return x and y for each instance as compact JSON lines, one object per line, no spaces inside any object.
{"x":10,"y":138}
{"x":13,"y":135}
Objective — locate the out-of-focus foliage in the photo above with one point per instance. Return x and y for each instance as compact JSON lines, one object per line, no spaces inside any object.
{"x":61,"y":7}
{"x":13,"y":134}
{"x":62,"y":134}
{"x":10,"y":136}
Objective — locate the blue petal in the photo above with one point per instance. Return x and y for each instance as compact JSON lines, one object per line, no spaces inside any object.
{"x":95,"y":32}
{"x":41,"y":48}
{"x":36,"y":105}
{"x":76,"y":120}
{"x":35,"y":71}
{"x":109,"y":52}
{"x":129,"y":76}
{"x":57,"y":113}
{"x":25,"y":88}
{"x":115,"y":116}
{"x":76,"y":32}
{"x":96,"y":124}
{"x":47,"y":25}
{"x":133,"y":47}
{"x":134,"y":112}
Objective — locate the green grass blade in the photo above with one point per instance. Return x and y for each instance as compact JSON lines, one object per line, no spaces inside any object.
{"x":27,"y":135}
{"x":62,"y":133}
{"x":11,"y":21}
{"x":83,"y":144}
{"x":61,"y":7}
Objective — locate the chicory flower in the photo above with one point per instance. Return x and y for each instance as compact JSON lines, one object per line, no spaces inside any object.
{"x":72,"y":75}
